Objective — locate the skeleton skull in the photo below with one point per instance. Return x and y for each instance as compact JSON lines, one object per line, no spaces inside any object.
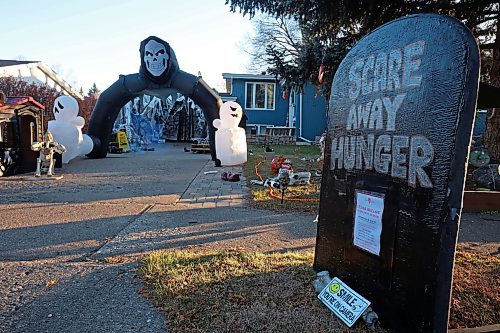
{"x":155,"y":57}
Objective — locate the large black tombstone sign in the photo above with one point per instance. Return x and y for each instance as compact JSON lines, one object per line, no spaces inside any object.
{"x":401,"y":113}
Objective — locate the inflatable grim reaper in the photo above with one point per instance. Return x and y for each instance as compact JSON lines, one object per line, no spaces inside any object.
{"x":160,"y":76}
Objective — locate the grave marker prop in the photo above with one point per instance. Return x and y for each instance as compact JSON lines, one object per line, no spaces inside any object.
{"x":401,"y":112}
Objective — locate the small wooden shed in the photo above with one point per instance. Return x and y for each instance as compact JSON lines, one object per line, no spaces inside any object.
{"x":20,"y":126}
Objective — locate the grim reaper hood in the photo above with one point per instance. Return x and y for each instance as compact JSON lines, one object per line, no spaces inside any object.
{"x":154,"y":56}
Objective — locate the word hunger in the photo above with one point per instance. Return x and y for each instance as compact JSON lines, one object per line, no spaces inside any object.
{"x":400,"y":156}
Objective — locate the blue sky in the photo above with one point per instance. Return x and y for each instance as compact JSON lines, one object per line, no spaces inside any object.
{"x":96,"y":40}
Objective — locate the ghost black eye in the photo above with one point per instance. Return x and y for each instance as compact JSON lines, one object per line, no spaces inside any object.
{"x":233,"y":109}
{"x":60,"y":105}
{"x":149,"y":54}
{"x":160,"y":52}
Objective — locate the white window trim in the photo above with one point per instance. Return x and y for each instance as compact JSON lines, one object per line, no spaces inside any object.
{"x":265,"y":95}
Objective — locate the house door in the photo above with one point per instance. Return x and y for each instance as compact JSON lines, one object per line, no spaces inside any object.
{"x":291,"y":109}
{"x":28,"y":135}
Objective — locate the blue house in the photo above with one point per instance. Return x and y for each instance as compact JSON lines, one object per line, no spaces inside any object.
{"x":268,"y":109}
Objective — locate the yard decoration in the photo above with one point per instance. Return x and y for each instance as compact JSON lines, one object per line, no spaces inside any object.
{"x":46,"y":149}
{"x":159,"y":75}
{"x":20,"y":126}
{"x":276,"y":164}
{"x":479,"y":158}
{"x":284,"y":181}
{"x":67,"y":128}
{"x":401,"y":113}
{"x":488,"y":177}
{"x":230,"y":140}
{"x":272,"y":183}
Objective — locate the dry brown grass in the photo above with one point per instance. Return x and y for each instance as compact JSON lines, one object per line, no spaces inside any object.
{"x":250,"y":292}
{"x":476,"y":294}
{"x":239,"y":292}
{"x":303,"y":158}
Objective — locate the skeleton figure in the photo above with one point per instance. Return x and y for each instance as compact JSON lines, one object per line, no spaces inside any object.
{"x":322,"y":144}
{"x":47,"y":148}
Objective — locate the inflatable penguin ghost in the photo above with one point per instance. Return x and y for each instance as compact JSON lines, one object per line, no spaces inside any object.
{"x":230,"y":140}
{"x":67,"y":128}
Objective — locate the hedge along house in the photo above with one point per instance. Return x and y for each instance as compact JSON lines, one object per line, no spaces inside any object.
{"x":20,"y":126}
{"x":271,"y":111}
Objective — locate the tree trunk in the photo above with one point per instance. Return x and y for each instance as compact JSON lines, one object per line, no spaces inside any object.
{"x":492,"y":135}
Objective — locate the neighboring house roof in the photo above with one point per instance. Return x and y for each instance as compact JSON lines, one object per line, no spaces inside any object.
{"x":249,"y":76}
{"x":229,"y":77}
{"x":5,"y":63}
{"x":227,"y":97}
{"x":48,"y":72}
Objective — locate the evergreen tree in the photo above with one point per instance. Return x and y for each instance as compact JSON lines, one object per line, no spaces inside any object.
{"x":331,"y":27}
{"x":94,"y":91}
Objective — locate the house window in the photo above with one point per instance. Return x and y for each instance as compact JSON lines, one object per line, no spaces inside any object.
{"x":260,"y":95}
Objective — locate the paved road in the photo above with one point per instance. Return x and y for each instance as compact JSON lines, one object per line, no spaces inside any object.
{"x":69,"y":247}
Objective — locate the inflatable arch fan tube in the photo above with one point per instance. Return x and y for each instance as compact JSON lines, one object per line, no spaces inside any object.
{"x":159,"y":75}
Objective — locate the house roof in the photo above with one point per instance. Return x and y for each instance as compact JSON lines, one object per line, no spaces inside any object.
{"x":249,"y":76}
{"x":48,"y":72}
{"x":19,"y":103}
{"x":6,"y":63}
{"x":227,"y":97}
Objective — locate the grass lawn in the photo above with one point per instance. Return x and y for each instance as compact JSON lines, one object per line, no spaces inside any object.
{"x":253,"y":292}
{"x":298,"y":198}
{"x":239,"y":292}
{"x":476,"y":295}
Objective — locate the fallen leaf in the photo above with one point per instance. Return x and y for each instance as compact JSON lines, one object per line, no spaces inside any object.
{"x":50,"y":283}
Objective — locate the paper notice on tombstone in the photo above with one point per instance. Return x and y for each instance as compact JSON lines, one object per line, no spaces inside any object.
{"x":368,"y":221}
{"x":347,"y":304}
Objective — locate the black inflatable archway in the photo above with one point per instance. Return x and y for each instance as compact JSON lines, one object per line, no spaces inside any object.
{"x":159,"y":75}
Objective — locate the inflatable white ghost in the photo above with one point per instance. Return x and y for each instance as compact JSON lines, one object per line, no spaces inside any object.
{"x":230,"y":140}
{"x":67,"y":128}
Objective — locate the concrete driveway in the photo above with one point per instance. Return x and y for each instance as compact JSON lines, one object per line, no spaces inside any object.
{"x":69,"y":247}
{"x":49,"y":230}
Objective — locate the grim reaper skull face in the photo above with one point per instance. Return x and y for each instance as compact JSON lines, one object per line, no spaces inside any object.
{"x":155,"y":57}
